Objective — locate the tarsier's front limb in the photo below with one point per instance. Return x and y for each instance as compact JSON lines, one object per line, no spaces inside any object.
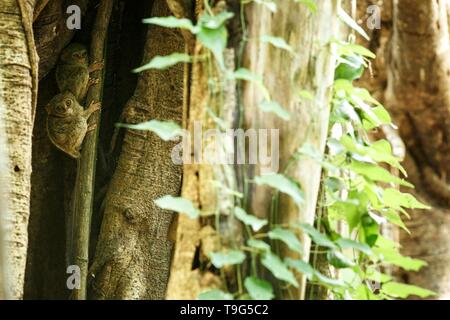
{"x":91,"y":127}
{"x":93,"y":106}
{"x":92,"y":81}
{"x":95,"y":66}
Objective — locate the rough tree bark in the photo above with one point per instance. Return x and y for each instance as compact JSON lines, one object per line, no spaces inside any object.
{"x":4,"y":194}
{"x":18,"y":88}
{"x":418,"y":95}
{"x":133,"y":252}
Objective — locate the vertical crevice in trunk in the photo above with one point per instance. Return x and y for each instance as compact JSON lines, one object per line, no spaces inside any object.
{"x":191,"y":272}
{"x":188,"y":275}
{"x":52,"y":172}
{"x":45,"y":276}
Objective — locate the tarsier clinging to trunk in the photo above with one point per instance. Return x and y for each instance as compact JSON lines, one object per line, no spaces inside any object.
{"x":73,"y":69}
{"x":67,"y":121}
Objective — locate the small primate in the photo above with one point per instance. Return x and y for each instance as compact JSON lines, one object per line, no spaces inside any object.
{"x":67,"y":122}
{"x":73,"y":69}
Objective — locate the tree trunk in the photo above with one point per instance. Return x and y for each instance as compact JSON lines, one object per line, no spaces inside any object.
{"x":5,"y":280}
{"x":134,"y":250}
{"x":17,"y":92}
{"x":418,"y":94}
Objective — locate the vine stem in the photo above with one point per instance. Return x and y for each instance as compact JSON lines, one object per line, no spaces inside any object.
{"x":85,"y":182}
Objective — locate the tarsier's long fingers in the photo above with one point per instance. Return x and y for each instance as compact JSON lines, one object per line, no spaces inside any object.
{"x":91,"y":127}
{"x":95,"y":66}
{"x":93,"y":106}
{"x":93,"y":81}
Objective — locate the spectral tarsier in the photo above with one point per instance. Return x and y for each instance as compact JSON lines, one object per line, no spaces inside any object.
{"x":67,"y":122}
{"x":66,"y":118}
{"x":72,"y":72}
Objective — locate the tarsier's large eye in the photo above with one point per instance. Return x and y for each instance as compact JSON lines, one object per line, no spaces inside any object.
{"x":68,"y":102}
